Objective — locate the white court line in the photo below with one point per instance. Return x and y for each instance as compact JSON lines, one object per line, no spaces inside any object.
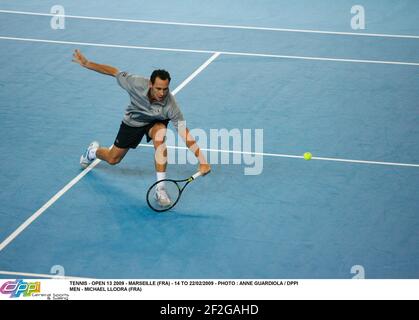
{"x":416,"y":64}
{"x":197,"y":71}
{"x":58,"y":195}
{"x":39,"y":275}
{"x":296,"y":157}
{"x":218,"y":26}
{"x":41,"y":210}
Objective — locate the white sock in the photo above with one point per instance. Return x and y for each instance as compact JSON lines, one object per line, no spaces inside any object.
{"x":160,"y":176}
{"x":92,"y":154}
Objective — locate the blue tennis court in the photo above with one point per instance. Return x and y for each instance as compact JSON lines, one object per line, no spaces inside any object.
{"x":291,"y":75}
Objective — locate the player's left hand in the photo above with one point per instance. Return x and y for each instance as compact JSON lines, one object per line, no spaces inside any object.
{"x":79,"y":58}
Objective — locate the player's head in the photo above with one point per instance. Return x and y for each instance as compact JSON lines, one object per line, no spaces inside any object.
{"x":159,"y":84}
{"x":161,"y":74}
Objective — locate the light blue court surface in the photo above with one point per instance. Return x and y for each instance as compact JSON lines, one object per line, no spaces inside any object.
{"x":348,"y":98}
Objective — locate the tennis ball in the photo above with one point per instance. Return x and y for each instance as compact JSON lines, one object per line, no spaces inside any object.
{"x":307,"y":155}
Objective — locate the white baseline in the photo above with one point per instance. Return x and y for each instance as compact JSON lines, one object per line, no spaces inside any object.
{"x":91,"y":44}
{"x":38,"y":275}
{"x":278,"y":155}
{"x":218,"y":26}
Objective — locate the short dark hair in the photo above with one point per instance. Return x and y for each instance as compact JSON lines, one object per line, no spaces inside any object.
{"x":160,"y":73}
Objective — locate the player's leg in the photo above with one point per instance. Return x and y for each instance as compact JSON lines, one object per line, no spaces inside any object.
{"x":127,"y":137}
{"x":158,"y":134}
{"x":112,"y":156}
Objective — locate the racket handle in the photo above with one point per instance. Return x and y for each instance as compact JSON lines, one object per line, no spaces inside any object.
{"x":196,"y":175}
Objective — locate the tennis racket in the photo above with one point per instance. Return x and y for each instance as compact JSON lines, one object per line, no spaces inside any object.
{"x":159,"y":200}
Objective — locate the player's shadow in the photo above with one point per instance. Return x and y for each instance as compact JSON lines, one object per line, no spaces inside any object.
{"x":124,"y":170}
{"x":134,"y":204}
{"x":178,"y":214}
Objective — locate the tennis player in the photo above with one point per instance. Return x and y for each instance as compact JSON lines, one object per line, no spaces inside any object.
{"x":152,"y":107}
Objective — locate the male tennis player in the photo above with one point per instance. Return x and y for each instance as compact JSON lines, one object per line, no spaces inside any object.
{"x":152,"y":107}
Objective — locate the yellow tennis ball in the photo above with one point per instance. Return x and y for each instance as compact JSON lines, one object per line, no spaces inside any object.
{"x":307,"y":155}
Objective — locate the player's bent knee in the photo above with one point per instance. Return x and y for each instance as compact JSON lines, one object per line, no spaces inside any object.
{"x":114,"y":160}
{"x":158,"y":132}
{"x":159,"y":144}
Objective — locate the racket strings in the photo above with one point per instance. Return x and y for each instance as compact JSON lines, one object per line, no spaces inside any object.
{"x":163,"y":195}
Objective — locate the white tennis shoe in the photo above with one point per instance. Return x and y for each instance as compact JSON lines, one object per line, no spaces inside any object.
{"x":85,"y":160}
{"x":162,"y":197}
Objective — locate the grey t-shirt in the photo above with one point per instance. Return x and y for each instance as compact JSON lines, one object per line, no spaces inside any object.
{"x":140,"y":112}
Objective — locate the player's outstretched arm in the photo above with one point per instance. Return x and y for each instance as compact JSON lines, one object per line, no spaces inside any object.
{"x":79,"y":58}
{"x":204,"y":167}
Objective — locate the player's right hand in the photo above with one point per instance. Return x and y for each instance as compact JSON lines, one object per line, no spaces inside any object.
{"x":204,"y":169}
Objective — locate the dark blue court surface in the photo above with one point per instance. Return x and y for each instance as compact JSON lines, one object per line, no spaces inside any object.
{"x":351,"y":100}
